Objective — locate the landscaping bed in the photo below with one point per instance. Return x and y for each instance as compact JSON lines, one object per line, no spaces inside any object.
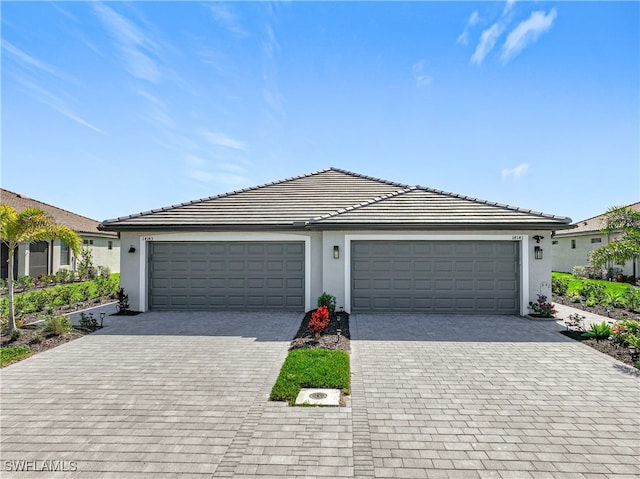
{"x":318,"y":354}
{"x":605,"y":346}
{"x":618,"y":314}
{"x":32,"y":338}
{"x":329,"y":338}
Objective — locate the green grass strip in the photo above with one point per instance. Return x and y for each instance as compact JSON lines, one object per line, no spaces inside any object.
{"x":311,"y":368}
{"x":611,"y":287}
{"x":13,"y":353}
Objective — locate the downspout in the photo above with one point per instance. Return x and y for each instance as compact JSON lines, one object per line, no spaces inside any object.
{"x":50,"y":270}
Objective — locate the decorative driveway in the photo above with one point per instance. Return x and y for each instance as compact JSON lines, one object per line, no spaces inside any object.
{"x":184,"y":395}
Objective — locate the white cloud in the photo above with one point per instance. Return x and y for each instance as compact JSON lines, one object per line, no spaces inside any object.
{"x":56,"y":103}
{"x":508,"y":6}
{"x":463,"y":38}
{"x":515,"y":173}
{"x":135,"y":46}
{"x":223,"y":140}
{"x":27,"y":60}
{"x":527,"y":32}
{"x":488,"y":40}
{"x":420,"y":75}
{"x":227,"y":19}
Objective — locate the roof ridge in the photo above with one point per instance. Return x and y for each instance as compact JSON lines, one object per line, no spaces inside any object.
{"x":377,"y":199}
{"x":494,"y":203}
{"x":366,"y":177}
{"x":250,"y":188}
{"x":24,"y":197}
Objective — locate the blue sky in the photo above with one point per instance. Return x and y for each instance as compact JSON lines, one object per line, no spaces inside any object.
{"x":113,"y":108}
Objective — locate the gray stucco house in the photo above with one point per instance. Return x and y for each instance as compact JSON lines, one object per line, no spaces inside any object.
{"x":374,"y":244}
{"x":572,"y":247}
{"x":48,"y":257}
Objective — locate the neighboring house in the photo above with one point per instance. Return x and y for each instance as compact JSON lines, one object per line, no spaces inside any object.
{"x":376,"y":245}
{"x":572,"y":247}
{"x":47,"y":257}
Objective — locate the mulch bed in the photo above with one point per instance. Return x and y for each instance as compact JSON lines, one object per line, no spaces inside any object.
{"x":617,"y":314}
{"x":604,"y":346}
{"x":70,"y":308}
{"x":29,"y":332}
{"x":329,"y":338}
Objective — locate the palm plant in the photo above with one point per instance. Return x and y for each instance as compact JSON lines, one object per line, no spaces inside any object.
{"x":29,"y":226}
{"x":625,"y":248}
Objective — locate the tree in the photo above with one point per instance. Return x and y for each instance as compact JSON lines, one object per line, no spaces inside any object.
{"x":29,"y":226}
{"x":627,"y":246}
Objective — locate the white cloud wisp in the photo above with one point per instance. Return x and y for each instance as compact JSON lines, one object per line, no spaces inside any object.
{"x":527,"y":32}
{"x":515,"y":173}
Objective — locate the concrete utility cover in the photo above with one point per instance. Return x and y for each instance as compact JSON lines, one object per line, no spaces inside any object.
{"x":319,"y":397}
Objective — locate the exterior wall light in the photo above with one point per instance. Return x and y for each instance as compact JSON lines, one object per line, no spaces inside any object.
{"x":132,"y":249}
{"x":537,"y":252}
{"x":336,"y":252}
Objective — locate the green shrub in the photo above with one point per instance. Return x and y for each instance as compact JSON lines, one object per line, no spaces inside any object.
{"x":37,"y":299}
{"x":325,"y":299}
{"x":592,"y":290}
{"x":86,"y":269}
{"x":579,"y":272}
{"x":83,"y":292}
{"x":632,"y":299}
{"x":58,"y":325}
{"x":24,"y":282}
{"x":37,"y":339}
{"x":541,"y":307}
{"x":559,"y":286}
{"x":65,"y":276}
{"x":104,"y":271}
{"x":66,"y":294}
{"x":576,"y":299}
{"x":598,"y":331}
{"x":104,"y":286}
{"x":15,"y":334}
{"x":615,"y":299}
{"x":88,"y":322}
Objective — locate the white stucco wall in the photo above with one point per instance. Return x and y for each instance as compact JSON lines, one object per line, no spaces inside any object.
{"x":564,"y":258}
{"x":324,"y":273}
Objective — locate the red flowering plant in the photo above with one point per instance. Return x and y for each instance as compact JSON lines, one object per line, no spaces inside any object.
{"x":542,"y":308}
{"x":319,"y":320}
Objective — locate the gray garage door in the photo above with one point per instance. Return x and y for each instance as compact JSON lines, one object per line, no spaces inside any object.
{"x":226,"y":275}
{"x":435,"y":276}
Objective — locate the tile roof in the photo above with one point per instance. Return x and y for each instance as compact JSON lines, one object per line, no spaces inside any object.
{"x":78,"y":223}
{"x":594,"y":224}
{"x":335,"y":197}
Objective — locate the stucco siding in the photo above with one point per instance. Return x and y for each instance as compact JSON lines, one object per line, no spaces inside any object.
{"x":564,"y":257}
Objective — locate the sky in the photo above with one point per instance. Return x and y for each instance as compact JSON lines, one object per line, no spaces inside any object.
{"x":112,"y":108}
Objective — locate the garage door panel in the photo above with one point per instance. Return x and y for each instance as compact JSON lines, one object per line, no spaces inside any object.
{"x":435,"y":276}
{"x":226,"y":275}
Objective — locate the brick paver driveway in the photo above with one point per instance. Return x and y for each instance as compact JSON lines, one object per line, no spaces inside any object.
{"x":184,"y":395}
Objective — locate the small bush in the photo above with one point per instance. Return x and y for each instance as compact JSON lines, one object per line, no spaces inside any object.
{"x":329,"y":302}
{"x":579,"y":272}
{"x":542,"y":307}
{"x":83,"y":293}
{"x":598,"y":331}
{"x":24,"y":282}
{"x":104,"y":286}
{"x":37,"y":339}
{"x":56,"y":326}
{"x":319,"y":320}
{"x":123,"y":301}
{"x":66,"y":294}
{"x":65,"y":276}
{"x":613,"y":298}
{"x":576,"y":299}
{"x":632,"y":299}
{"x":575,"y":321}
{"x":88,"y":322}
{"x":559,"y":286}
{"x":15,"y":335}
{"x":104,"y":272}
{"x":612,"y":273}
{"x":591,"y":290}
